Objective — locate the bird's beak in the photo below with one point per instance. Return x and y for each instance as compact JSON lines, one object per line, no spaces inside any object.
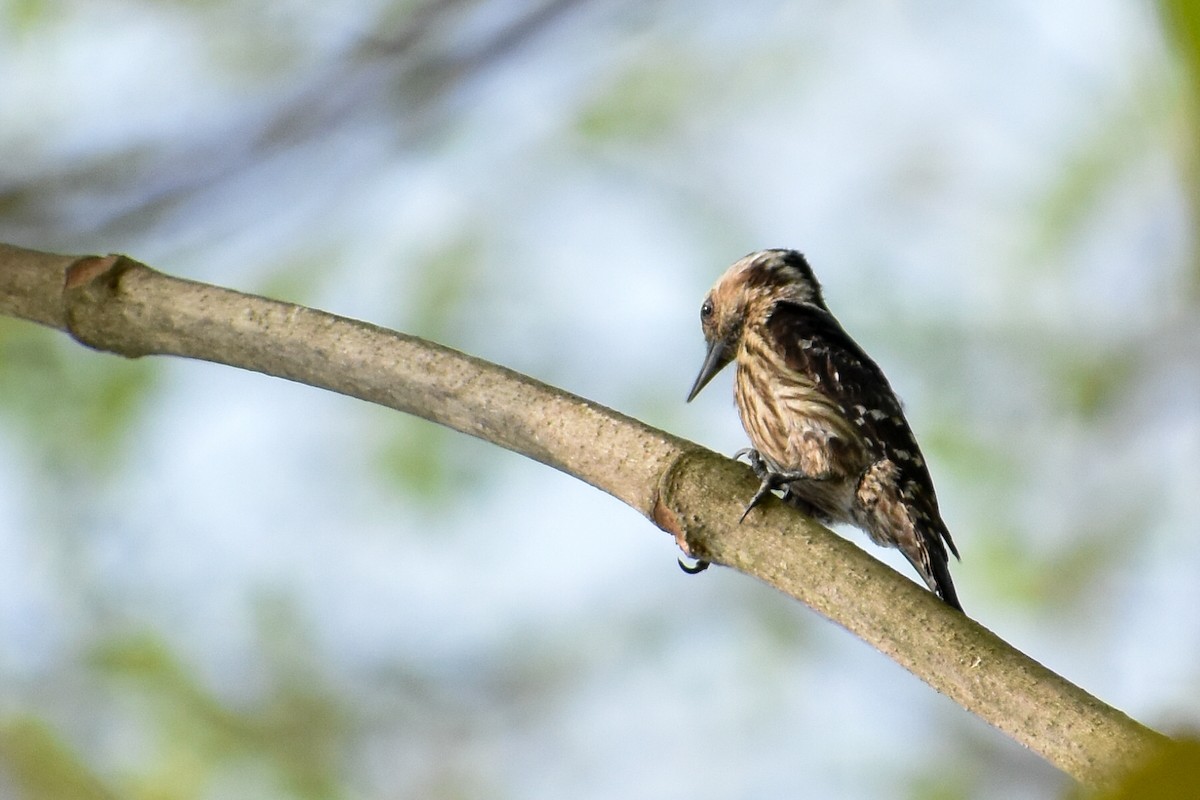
{"x":719,"y":354}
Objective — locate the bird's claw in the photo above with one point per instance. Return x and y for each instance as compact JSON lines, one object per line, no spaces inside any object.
{"x":693,"y":569}
{"x":764,"y":489}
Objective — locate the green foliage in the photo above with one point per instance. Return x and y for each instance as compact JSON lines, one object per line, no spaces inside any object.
{"x":291,"y":741}
{"x":1099,"y":159}
{"x":1181,"y":19}
{"x":1043,"y":577}
{"x":77,"y":404}
{"x":26,"y":15}
{"x":296,"y":734}
{"x":41,"y":766}
{"x":1092,"y":383}
{"x":643,"y":104}
{"x":412,"y":452}
{"x":1181,"y":22}
{"x":439,"y":299}
{"x":1172,"y":773}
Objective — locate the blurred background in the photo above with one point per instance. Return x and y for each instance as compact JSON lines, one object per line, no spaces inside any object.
{"x":218,"y":585}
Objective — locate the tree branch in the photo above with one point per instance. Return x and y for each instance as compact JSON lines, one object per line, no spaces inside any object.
{"x":115,"y":304}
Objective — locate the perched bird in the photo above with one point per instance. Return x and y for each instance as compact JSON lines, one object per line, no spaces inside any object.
{"x":826,"y":427}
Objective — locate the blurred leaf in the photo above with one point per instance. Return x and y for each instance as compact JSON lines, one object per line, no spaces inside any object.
{"x":297,"y":732}
{"x":147,"y":661}
{"x":42,"y":767}
{"x":1103,"y":156}
{"x":26,"y":15}
{"x":305,"y":722}
{"x":413,"y":454}
{"x":1171,"y":773}
{"x":1023,"y":573}
{"x":443,"y":282}
{"x":1181,"y":22}
{"x":298,"y":277}
{"x":76,"y":403}
{"x":643,"y":103}
{"x":968,"y":455}
{"x":1089,"y":381}
{"x":1181,"y":19}
{"x":1094,"y":385}
{"x":939,"y":783}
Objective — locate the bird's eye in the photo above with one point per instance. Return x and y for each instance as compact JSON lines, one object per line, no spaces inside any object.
{"x":706,"y":310}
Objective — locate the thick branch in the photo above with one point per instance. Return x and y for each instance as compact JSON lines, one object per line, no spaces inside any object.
{"x":116,"y":304}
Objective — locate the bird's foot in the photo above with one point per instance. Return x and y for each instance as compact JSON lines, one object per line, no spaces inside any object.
{"x":771,"y":479}
{"x":754,"y":460}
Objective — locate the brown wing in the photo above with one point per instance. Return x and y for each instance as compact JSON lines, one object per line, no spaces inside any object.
{"x":813,"y":342}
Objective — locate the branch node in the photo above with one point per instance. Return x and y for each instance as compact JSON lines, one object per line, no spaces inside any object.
{"x":87,"y":269}
{"x":663,"y":511}
{"x":91,"y":300}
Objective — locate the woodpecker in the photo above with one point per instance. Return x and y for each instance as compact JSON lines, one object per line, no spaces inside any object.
{"x":824,"y":424}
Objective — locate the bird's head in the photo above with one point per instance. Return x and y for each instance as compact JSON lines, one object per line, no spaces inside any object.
{"x":746,"y":293}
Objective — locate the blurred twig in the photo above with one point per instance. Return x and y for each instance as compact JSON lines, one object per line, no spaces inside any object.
{"x":401,"y":79}
{"x":118,"y":305}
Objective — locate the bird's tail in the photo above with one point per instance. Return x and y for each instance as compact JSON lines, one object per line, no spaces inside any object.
{"x":941,"y":583}
{"x":933,"y":568}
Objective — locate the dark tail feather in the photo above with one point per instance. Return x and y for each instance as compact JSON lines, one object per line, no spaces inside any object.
{"x":936,"y":572}
{"x":945,"y":586}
